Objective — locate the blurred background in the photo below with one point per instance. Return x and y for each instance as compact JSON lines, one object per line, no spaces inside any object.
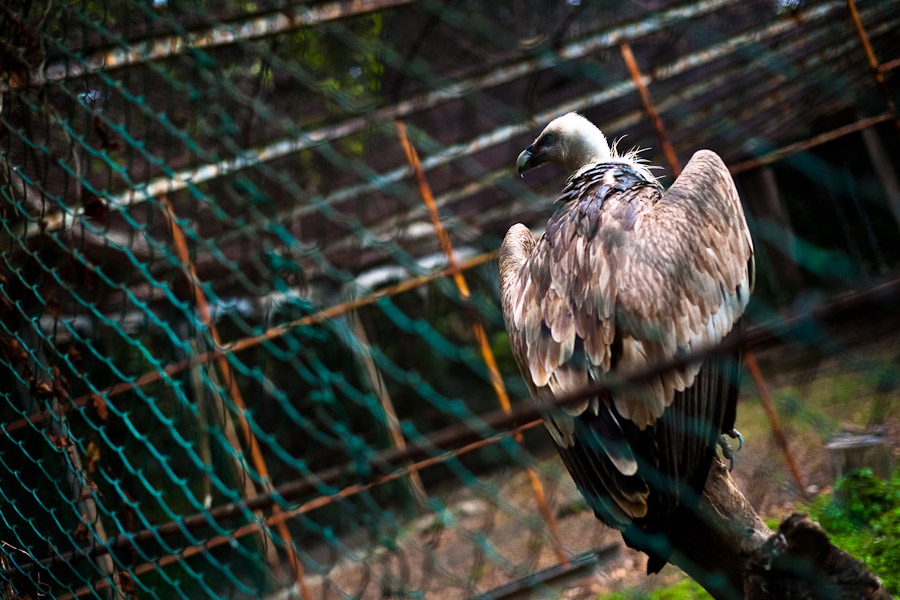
{"x":249,"y":314}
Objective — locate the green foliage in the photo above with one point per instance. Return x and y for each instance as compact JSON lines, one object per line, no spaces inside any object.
{"x":346,"y":77}
{"x":686,"y":589}
{"x":863,"y":518}
{"x":862,"y":499}
{"x":502,"y":351}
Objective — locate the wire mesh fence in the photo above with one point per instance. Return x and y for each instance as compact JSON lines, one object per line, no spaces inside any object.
{"x":251,"y":336}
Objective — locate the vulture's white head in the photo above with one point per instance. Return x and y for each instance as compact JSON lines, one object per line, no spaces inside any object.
{"x":570,"y":140}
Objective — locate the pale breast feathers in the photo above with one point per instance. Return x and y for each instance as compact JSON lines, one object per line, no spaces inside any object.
{"x":656,"y":273}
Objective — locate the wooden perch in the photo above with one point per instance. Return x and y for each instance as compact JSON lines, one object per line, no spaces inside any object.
{"x":727,"y":548}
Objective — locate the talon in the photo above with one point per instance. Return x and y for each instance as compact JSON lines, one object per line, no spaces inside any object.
{"x":736,"y":435}
{"x":727,"y":450}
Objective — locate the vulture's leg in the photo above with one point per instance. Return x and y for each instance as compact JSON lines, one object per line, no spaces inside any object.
{"x":727,"y":450}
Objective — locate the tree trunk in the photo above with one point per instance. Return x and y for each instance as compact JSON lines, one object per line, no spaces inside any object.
{"x":729,"y":550}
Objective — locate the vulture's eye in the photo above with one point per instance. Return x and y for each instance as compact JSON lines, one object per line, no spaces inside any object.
{"x":546,"y":140}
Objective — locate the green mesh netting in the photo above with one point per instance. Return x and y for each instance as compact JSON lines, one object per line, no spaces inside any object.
{"x":225,"y":311}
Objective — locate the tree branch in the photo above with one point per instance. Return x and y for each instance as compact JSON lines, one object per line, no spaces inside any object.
{"x":728,"y":549}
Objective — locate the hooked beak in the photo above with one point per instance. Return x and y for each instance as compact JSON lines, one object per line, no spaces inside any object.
{"x":524,"y":162}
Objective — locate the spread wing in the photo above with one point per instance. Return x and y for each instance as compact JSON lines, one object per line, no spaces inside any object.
{"x":623,"y":277}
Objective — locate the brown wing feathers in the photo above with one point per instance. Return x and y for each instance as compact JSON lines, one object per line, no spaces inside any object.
{"x":627,"y":276}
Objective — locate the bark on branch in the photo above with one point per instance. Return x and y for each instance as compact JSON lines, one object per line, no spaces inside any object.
{"x":729,"y":550}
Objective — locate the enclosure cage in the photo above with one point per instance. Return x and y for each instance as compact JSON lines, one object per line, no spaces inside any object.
{"x":250,"y":336}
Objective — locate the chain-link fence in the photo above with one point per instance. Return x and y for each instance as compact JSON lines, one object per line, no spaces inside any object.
{"x":251,"y":337}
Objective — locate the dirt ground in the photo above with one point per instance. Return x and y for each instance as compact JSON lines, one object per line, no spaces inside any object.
{"x":471,"y":541}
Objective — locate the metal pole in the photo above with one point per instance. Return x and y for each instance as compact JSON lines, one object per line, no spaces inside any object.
{"x":230,"y":32}
{"x":873,"y":62}
{"x":641,"y":85}
{"x":766,"y":401}
{"x":480,"y":335}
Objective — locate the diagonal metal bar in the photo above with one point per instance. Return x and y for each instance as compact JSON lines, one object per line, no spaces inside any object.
{"x":229,"y":32}
{"x":505,"y":133}
{"x":873,"y":61}
{"x":889,"y":66}
{"x":280,"y":330}
{"x":253,"y":341}
{"x":607,"y":38}
{"x":321,"y":501}
{"x":669,"y":152}
{"x":879,"y":297}
{"x":818,"y":140}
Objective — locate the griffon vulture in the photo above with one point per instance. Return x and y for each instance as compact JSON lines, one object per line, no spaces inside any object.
{"x":628,"y":275}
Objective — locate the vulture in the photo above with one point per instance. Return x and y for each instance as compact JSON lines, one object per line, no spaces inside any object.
{"x":625,"y":276}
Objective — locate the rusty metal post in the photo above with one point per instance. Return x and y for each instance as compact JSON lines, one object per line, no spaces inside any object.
{"x":638,"y":79}
{"x":772,"y":416}
{"x":245,"y":485}
{"x":234,"y":392}
{"x":873,"y":61}
{"x":480,"y":335}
